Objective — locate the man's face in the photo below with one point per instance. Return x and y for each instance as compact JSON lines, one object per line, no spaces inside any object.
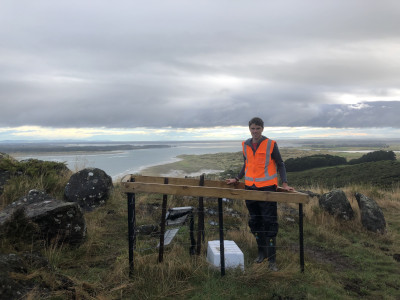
{"x":256,"y":131}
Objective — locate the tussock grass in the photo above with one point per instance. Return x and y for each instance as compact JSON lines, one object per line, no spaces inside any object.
{"x":50,"y":177}
{"x":343,"y":261}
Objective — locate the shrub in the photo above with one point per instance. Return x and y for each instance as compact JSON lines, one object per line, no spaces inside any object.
{"x":313,"y":161}
{"x":23,"y":176}
{"x":374,"y":156}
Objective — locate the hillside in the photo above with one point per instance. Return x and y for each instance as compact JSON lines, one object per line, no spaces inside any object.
{"x":343,"y":260}
{"x":384,"y":174}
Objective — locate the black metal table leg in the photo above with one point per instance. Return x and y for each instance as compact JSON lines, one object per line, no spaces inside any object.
{"x":221,"y":236}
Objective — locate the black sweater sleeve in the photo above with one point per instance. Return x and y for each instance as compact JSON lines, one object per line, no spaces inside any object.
{"x":276,"y":156}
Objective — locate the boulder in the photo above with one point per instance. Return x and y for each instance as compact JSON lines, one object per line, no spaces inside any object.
{"x":40,"y":216}
{"x":10,"y":288}
{"x":89,"y":188}
{"x":16,"y":287}
{"x":22,"y":273}
{"x":336,"y":203}
{"x":372,"y":217}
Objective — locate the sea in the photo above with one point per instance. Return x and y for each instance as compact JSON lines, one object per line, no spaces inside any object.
{"x":122,"y":162}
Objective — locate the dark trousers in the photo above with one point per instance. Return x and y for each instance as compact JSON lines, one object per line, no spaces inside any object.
{"x":263,"y":214}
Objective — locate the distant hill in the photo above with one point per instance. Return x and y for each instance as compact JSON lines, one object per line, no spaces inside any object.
{"x":313,"y":161}
{"x":374,"y":156}
{"x":381,"y":173}
{"x":14,"y":148}
{"x":326,"y":160}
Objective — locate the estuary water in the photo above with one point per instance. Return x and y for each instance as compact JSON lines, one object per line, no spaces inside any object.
{"x":122,"y":162}
{"x":119,"y":163}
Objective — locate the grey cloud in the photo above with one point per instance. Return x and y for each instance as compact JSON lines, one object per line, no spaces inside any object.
{"x":373,"y":114}
{"x":133,"y":64}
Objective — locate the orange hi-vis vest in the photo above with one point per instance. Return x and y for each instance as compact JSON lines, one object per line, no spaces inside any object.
{"x":260,"y":168}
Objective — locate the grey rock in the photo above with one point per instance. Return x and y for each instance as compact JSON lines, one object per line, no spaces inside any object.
{"x":40,"y":216}
{"x":146,"y":229}
{"x":372,"y":217}
{"x":211,"y":211}
{"x":232,"y":213}
{"x":90,"y":188}
{"x":34,"y":196}
{"x":310,"y":193}
{"x":336,"y":203}
{"x":11,"y":287}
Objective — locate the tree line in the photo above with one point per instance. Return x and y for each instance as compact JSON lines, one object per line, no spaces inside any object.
{"x":326,"y":160}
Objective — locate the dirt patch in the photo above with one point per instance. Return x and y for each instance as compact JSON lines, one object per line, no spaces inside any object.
{"x":355,"y":286}
{"x":338,"y":261}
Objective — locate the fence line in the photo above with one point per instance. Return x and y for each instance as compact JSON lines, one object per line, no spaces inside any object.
{"x":200,"y":188}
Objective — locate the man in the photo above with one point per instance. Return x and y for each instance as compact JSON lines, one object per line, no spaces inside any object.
{"x":262,"y":162}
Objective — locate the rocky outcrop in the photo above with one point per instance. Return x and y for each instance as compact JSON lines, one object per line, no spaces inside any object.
{"x":10,"y":288}
{"x":22,"y":273}
{"x":40,"y":216}
{"x":89,"y":188}
{"x":372,"y":217}
{"x":336,"y":203}
{"x":18,"y":264}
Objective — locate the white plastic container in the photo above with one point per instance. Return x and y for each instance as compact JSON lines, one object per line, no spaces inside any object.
{"x":233,"y":255}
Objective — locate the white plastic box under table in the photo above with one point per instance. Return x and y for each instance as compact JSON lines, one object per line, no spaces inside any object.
{"x":233,"y":255}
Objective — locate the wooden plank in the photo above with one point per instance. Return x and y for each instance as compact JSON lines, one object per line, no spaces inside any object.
{"x":214,"y":192}
{"x":182,"y":181}
{"x":126,"y":178}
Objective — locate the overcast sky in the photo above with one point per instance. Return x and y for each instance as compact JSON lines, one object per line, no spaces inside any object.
{"x":143,"y":70}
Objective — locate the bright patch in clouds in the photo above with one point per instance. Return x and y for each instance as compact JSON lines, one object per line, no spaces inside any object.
{"x":231,"y":82}
{"x":38,"y":132}
{"x":356,"y":97}
{"x":187,"y":134}
{"x":335,"y":134}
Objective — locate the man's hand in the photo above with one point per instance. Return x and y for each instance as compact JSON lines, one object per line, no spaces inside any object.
{"x":231,"y":181}
{"x":287,"y":188}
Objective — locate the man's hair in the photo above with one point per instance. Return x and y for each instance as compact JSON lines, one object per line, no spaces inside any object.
{"x":257,"y":121}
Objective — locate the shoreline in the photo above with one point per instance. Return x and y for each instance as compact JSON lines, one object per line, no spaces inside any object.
{"x":180,"y":173}
{"x":195,"y":165}
{"x":67,"y":153}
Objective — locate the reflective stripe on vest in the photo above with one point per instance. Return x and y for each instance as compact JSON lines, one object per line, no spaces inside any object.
{"x":266,"y":179}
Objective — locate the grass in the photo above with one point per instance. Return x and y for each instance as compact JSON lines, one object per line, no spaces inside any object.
{"x":383,"y":174}
{"x":195,"y":163}
{"x":50,"y":177}
{"x":343,"y":260}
